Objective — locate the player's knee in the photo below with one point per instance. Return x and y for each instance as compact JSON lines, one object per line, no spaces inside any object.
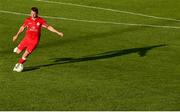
{"x":18,"y":52}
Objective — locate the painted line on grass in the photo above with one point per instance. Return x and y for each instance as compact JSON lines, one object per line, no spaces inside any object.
{"x":92,"y":21}
{"x":109,"y":9}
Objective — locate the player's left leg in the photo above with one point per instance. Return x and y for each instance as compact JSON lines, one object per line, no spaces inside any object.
{"x":17,"y":51}
{"x":22,"y":45}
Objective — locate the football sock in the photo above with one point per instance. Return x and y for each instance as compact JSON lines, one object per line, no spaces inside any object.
{"x":22,"y":60}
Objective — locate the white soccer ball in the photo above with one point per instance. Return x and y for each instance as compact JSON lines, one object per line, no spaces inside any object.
{"x":20,"y":68}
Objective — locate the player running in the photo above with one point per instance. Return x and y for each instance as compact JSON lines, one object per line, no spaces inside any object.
{"x":32,"y":36}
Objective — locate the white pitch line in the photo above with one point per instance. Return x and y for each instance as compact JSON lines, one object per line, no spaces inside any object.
{"x":112,"y":10}
{"x":15,"y":13}
{"x":91,"y":21}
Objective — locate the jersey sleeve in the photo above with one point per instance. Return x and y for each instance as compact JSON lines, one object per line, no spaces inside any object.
{"x":44,"y":24}
{"x":25,"y":23}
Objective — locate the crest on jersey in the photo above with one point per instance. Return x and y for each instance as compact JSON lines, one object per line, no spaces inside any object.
{"x":38,"y":24}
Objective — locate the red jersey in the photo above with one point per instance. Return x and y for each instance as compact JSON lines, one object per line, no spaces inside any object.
{"x":33,"y":31}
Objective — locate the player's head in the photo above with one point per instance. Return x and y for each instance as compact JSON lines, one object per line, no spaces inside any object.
{"x":34,"y":12}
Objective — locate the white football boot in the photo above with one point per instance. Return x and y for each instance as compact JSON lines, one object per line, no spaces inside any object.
{"x":15,"y":67}
{"x":15,"y":50}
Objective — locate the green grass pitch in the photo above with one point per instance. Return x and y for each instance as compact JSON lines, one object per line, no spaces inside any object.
{"x":95,"y":66}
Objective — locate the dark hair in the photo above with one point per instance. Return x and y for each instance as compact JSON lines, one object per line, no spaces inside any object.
{"x":35,"y":9}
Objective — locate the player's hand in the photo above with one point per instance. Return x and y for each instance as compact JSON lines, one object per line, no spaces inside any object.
{"x":61,"y":34}
{"x":15,"y":38}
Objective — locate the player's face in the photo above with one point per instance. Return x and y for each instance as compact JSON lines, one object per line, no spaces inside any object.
{"x":33,"y":14}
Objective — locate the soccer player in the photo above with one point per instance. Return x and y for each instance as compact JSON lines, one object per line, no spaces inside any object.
{"x":29,"y":43}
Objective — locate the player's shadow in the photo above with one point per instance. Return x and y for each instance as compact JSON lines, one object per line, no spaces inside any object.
{"x":142,"y":51}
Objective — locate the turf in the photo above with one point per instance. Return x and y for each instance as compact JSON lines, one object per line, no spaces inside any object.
{"x":95,"y":66}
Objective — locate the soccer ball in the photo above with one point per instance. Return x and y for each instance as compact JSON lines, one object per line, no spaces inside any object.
{"x":18,"y":67}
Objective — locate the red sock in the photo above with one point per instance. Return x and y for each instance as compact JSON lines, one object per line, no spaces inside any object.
{"x":21,"y":60}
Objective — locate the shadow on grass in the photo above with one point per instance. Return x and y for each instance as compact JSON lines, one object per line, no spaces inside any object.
{"x":142,"y":51}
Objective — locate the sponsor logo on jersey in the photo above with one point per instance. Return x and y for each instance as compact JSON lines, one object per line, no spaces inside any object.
{"x":38,"y":24}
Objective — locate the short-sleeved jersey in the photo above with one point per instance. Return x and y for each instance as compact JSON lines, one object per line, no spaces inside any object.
{"x":33,"y":31}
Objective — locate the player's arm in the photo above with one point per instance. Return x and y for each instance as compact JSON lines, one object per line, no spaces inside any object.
{"x":50,"y":28}
{"x":18,"y":33}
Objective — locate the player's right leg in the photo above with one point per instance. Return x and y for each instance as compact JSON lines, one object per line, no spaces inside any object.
{"x":23,"y":44}
{"x":22,"y":60}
